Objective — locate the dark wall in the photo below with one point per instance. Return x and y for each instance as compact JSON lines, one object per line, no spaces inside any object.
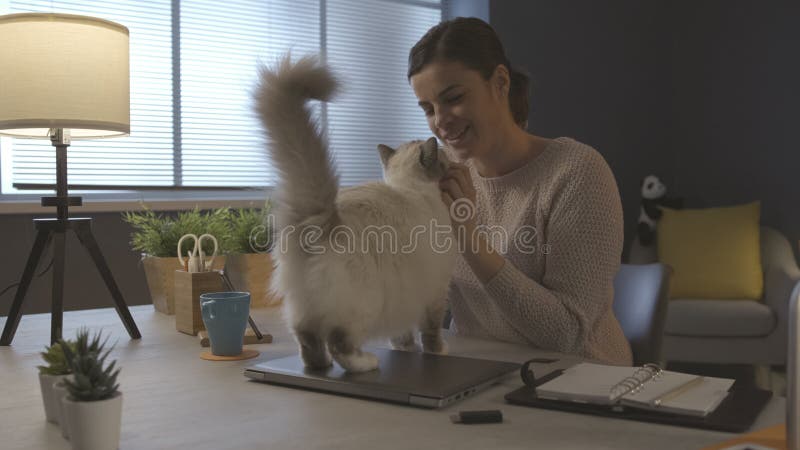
{"x":736,"y":106}
{"x":83,"y":287}
{"x":598,"y":75}
{"x":703,"y":94}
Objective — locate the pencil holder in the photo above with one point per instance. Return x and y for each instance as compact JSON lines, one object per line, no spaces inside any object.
{"x":188,"y":287}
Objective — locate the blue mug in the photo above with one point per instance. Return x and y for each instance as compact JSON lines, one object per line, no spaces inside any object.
{"x":225,"y":316}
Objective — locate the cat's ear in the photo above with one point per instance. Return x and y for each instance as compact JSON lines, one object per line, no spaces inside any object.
{"x":429,"y":153}
{"x":386,"y":153}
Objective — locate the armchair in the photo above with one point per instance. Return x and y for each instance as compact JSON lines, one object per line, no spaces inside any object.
{"x":733,"y":331}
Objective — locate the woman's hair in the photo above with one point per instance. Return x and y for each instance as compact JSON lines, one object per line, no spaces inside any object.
{"x":473,"y":43}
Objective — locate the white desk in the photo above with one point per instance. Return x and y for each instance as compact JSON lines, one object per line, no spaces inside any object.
{"x":175,"y":400}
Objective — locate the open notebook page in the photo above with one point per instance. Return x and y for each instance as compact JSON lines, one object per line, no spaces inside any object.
{"x":586,"y":382}
{"x":697,"y":400}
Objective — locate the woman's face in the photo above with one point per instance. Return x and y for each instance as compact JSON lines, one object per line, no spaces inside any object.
{"x":463,"y":110}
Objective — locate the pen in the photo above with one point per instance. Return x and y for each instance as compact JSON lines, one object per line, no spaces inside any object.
{"x":669,"y":395}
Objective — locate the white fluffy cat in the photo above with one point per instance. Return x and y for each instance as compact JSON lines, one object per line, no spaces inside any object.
{"x":359,"y":262}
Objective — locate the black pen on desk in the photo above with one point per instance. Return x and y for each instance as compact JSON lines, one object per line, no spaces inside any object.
{"x":549,"y":376}
{"x":531,"y":380}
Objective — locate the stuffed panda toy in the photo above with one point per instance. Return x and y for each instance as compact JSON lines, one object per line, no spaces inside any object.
{"x":654,"y":194}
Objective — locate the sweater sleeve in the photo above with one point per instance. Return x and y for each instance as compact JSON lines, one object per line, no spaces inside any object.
{"x":584,"y":233}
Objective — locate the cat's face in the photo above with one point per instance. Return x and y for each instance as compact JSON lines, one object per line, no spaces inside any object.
{"x":415,"y":160}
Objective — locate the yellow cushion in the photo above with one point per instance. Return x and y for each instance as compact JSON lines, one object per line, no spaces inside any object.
{"x":715,"y":252}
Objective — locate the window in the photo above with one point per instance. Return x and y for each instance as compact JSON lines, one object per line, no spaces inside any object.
{"x":191,"y":118}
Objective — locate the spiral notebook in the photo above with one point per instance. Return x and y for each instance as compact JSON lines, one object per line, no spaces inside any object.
{"x":648,"y":387}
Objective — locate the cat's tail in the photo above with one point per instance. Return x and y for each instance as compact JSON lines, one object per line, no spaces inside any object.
{"x":307,"y":182}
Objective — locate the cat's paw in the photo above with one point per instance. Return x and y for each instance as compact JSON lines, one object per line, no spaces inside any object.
{"x":413,"y":347}
{"x":437,"y":346}
{"x":318,"y":362}
{"x":316,"y":359}
{"x":405,"y":343}
{"x":358,"y":362}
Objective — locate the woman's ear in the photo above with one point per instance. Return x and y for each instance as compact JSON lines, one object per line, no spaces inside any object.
{"x":501,"y":81}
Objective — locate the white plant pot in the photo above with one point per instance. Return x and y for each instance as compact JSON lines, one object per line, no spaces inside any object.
{"x":59,"y":392}
{"x":51,"y":403}
{"x":94,"y":425}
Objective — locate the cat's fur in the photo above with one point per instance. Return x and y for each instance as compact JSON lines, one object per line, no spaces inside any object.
{"x":335,"y":300}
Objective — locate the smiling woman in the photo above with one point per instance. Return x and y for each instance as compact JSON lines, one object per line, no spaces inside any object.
{"x":542,"y":238}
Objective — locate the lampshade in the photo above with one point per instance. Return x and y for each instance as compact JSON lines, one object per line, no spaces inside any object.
{"x":63,"y":71}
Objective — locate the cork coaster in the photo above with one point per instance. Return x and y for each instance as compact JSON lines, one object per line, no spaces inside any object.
{"x":249,"y":338}
{"x":246,"y":354}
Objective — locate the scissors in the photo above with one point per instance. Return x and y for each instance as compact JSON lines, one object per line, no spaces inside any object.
{"x":196,"y":258}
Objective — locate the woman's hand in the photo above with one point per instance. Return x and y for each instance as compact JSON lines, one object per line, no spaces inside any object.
{"x":458,"y":193}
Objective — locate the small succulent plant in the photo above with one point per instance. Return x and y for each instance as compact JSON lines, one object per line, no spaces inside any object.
{"x":55,"y":359}
{"x":92,"y":379}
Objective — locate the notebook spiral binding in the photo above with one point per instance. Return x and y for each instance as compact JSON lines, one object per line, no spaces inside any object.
{"x":636,"y":382}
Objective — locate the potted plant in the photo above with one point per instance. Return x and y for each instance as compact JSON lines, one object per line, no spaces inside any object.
{"x":55,"y":371}
{"x":249,"y":263}
{"x":156,"y":236}
{"x":93,"y":405}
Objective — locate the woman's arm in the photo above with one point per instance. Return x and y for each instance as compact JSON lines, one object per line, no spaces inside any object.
{"x":481,"y":257}
{"x":457,"y":188}
{"x":584,"y":234}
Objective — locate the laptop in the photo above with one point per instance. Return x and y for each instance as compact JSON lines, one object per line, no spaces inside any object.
{"x":418,"y":379}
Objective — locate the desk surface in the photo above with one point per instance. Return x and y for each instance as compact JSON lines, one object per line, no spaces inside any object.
{"x":175,"y":400}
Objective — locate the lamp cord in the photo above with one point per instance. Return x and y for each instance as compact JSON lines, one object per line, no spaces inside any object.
{"x":10,"y":286}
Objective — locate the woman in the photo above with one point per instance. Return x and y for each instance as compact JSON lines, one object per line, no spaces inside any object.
{"x":540,"y":252}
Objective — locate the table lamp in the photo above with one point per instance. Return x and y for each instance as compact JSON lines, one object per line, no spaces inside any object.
{"x":63,"y":77}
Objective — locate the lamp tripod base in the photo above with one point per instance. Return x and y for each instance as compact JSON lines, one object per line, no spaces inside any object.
{"x":55,"y":230}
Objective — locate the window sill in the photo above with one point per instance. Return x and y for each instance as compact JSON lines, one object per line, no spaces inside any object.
{"x":157,"y":201}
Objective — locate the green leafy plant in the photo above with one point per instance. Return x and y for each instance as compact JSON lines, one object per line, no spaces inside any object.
{"x":158,"y":234}
{"x":250,"y":230}
{"x":93,"y":379}
{"x":55,"y":359}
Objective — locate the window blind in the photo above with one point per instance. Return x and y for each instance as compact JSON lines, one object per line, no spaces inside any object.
{"x":367,"y":45}
{"x":221,"y":46}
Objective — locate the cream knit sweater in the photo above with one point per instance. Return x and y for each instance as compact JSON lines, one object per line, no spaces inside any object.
{"x":558,"y":223}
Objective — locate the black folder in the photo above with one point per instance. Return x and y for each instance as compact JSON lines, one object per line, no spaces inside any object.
{"x":735,"y":414}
